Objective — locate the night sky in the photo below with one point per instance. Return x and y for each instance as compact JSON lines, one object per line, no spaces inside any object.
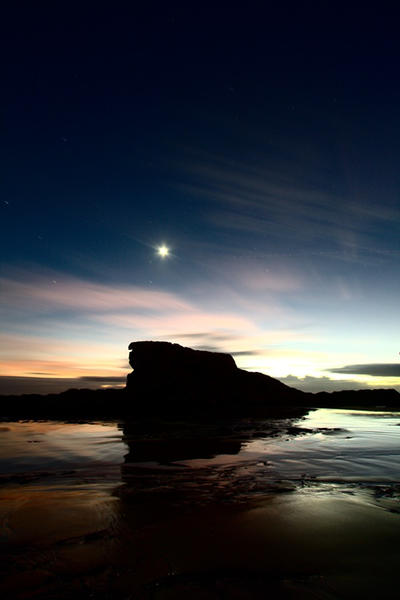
{"x":259,"y":144}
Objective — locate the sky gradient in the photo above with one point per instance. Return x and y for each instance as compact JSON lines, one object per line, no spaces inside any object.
{"x":261,"y":147}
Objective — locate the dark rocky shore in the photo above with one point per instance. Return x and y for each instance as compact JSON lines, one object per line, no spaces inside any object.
{"x":169,"y":380}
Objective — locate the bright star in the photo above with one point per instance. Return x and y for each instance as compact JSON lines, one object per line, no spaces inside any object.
{"x":163,"y":251}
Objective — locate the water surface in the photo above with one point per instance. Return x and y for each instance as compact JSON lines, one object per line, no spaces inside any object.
{"x":306,"y":509}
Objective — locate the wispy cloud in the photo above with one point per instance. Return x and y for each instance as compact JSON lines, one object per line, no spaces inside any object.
{"x":372,"y":369}
{"x":103,"y":379}
{"x":254,"y":275}
{"x":64,"y":292}
{"x":168,"y":323}
{"x":64,"y":367}
{"x":289,"y":206}
{"x":247,"y":352}
{"x":205,"y":334}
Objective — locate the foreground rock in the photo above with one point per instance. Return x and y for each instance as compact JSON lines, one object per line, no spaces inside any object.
{"x":171,"y":379}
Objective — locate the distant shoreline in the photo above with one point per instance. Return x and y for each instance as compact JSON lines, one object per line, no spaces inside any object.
{"x":118,"y":404}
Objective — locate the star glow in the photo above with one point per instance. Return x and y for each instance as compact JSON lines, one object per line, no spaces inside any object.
{"x":163,"y":251}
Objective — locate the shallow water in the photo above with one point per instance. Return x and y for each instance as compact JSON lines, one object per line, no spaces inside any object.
{"x":306,"y":509}
{"x":348,"y":445}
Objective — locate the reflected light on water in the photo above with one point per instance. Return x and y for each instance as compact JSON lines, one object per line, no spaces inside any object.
{"x":51,"y":445}
{"x":314,"y":502}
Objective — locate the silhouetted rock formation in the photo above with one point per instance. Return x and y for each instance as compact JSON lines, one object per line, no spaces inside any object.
{"x":165,"y":358}
{"x":170,"y":379}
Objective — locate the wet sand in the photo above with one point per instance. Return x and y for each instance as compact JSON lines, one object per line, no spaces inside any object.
{"x":245,"y":525}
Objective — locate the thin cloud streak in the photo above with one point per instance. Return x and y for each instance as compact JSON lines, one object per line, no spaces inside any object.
{"x":374,"y":370}
{"x":169,"y":323}
{"x":253,"y":275}
{"x":76,"y":294}
{"x":291,"y":209}
{"x":64,"y":367}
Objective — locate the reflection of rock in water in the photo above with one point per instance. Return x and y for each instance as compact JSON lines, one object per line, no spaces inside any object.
{"x":167,"y":451}
{"x":159,"y":467}
{"x":166,"y":444}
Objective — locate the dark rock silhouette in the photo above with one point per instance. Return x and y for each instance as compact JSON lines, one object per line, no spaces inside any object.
{"x":164,"y":358}
{"x":169,"y":378}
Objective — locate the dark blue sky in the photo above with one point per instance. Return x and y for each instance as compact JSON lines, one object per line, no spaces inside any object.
{"x":260,"y":144}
